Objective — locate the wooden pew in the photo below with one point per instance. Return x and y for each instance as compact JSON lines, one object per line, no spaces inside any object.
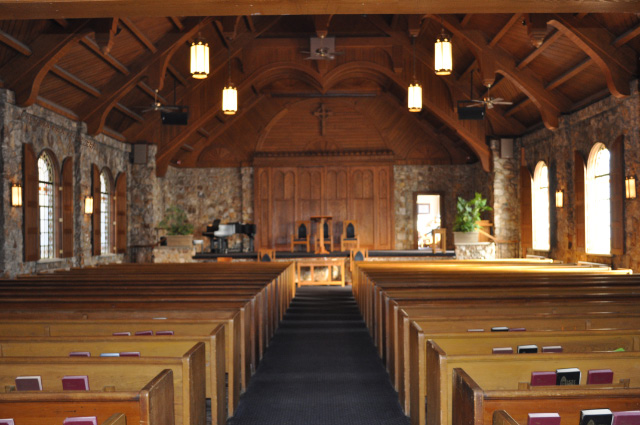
{"x":473,"y":403}
{"x":506,"y":371}
{"x":155,"y":346}
{"x":151,"y":404}
{"x":124,"y":373}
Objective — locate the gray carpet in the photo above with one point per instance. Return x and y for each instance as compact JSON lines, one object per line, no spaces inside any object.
{"x":321,"y":368}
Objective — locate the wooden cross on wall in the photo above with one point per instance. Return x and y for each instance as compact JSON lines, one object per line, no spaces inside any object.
{"x":322,"y":113}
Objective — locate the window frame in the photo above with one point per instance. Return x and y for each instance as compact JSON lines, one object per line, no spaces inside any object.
{"x":538,"y":209}
{"x":55,"y":242}
{"x":592,"y":199}
{"x":105,"y":174}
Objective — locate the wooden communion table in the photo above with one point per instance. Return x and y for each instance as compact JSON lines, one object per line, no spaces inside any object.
{"x":314,"y":263}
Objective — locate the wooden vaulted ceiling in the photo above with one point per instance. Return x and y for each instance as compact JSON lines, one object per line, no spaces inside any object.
{"x":104,"y":71}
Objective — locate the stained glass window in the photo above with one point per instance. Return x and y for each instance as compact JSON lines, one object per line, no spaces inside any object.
{"x":598,"y":194}
{"x":105,"y":214}
{"x":540,"y":206}
{"x":46,"y":199}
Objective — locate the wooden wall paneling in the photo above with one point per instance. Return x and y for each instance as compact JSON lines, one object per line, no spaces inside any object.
{"x":336,"y":198}
{"x":362,"y":203}
{"x":383,"y":210}
{"x":95,"y":219}
{"x":310,"y":193}
{"x":263,"y":207}
{"x":617,"y":196}
{"x":526,"y":226}
{"x":283,"y":193}
{"x":578,"y":188}
{"x":121,"y":213}
{"x":30,"y":202}
{"x":67,"y":208}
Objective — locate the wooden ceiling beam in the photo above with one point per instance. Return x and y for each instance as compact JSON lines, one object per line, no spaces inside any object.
{"x":115,"y":63}
{"x":517,"y":106}
{"x":46,"y":9}
{"x":566,"y":76}
{"x":62,"y":22}
{"x":137,"y":33}
{"x":618,"y":65}
{"x":75,"y":81}
{"x":151,"y":92}
{"x":465,"y":20}
{"x":496,"y":60}
{"x":105,"y":32}
{"x":25,"y":74}
{"x":128,"y":112}
{"x":627,"y":36}
{"x":178,"y":75}
{"x":176,"y":23}
{"x":537,"y":51}
{"x":15,"y":44}
{"x":203,"y":133}
{"x":228,"y":26}
{"x":96,"y":110}
{"x":321,"y":24}
{"x":250,"y":24}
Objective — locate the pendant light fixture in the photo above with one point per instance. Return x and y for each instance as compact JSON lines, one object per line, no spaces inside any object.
{"x":199,"y":58}
{"x":229,"y":94}
{"x":414,"y":95}
{"x":443,"y":57}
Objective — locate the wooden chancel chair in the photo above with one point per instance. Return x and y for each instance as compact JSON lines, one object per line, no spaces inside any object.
{"x":266,"y":255}
{"x":357,"y":255}
{"x":349,"y":238}
{"x":439,"y":245}
{"x":301,"y":234}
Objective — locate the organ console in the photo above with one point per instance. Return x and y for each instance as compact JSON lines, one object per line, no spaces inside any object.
{"x":218,"y":234}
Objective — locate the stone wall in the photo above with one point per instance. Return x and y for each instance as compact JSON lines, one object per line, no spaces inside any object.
{"x":209,"y":193}
{"x":65,"y":138}
{"x":506,"y":212}
{"x":601,"y":122}
{"x":450,"y":181}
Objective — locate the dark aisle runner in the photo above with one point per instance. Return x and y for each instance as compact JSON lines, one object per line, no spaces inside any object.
{"x":321,"y":368}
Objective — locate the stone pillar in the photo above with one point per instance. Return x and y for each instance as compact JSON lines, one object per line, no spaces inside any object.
{"x":505,"y":201}
{"x":145,"y":208}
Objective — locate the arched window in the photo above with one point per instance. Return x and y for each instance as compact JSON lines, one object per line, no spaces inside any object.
{"x":540,"y":207}
{"x":598,"y":201}
{"x":105,"y":213}
{"x":46,"y":206}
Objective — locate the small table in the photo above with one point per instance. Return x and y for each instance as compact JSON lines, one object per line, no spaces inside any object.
{"x":320,"y":249}
{"x":314,"y":263}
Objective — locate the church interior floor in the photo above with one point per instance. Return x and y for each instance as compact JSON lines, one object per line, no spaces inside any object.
{"x":321,"y":368}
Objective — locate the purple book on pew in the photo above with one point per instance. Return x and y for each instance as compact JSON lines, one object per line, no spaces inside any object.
{"x":79,"y":354}
{"x":75,"y":383}
{"x":543,"y":419}
{"x":517,"y":329}
{"x":144,"y":333}
{"x":160,"y":333}
{"x":121,"y":334}
{"x":600,"y":376}
{"x":28,"y":383}
{"x":130,"y":354}
{"x":631,"y":417}
{"x":502,"y":350}
{"x":539,"y":379}
{"x":81,"y":420}
{"x":6,"y":421}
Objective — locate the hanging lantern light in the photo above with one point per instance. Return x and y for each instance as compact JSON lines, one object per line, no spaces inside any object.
{"x":199,"y":58}
{"x":229,"y":95}
{"x":414,"y":95}
{"x":443,"y":56}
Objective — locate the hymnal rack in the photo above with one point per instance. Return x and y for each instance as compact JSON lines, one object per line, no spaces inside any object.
{"x":526,"y":386}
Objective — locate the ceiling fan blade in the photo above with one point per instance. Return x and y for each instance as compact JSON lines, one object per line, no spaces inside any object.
{"x":477,"y":101}
{"x":502,"y":103}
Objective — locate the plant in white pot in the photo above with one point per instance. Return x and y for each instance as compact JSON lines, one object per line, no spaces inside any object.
{"x":465,"y":227}
{"x":179,"y":230}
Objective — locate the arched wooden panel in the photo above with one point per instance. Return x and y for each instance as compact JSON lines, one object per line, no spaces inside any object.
{"x":121,"y":213}
{"x":309,"y":192}
{"x":283,"y":205}
{"x":67,"y":208}
{"x":526,"y":226}
{"x":363,"y":206}
{"x":578,"y":188}
{"x":31,"y":213}
{"x":95,"y":192}
{"x":336,"y":204}
{"x":263,"y":208}
{"x":617,"y":196}
{"x":383,"y":211}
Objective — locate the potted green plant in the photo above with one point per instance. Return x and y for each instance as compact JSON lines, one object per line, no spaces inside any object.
{"x":465,"y":227}
{"x":176,"y":223}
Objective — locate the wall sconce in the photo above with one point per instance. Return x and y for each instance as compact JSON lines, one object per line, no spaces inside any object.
{"x":559,"y":199}
{"x":16,"y":195}
{"x":630,"y":187}
{"x":88,"y":205}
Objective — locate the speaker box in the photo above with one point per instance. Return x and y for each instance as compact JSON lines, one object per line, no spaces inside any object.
{"x":506,"y":148}
{"x":470,"y":113}
{"x":175,"y":118}
{"x":139,"y":153}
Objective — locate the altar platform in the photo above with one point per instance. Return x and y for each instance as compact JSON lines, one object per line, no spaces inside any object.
{"x":404,"y":254}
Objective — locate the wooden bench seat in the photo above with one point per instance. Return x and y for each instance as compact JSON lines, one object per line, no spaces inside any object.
{"x":156,"y":346}
{"x":149,"y":404}
{"x":123,"y":373}
{"x":473,"y":403}
{"x":505,"y":372}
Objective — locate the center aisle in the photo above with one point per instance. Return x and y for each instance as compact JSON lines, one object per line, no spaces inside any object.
{"x":321,"y":368}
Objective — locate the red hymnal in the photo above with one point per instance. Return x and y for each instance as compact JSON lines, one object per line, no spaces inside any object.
{"x":75,"y":383}
{"x":81,"y":420}
{"x":543,"y":419}
{"x":28,"y":383}
{"x":600,"y":376}
{"x":502,"y":350}
{"x":164,"y":333}
{"x":130,"y":354}
{"x":122,"y":334}
{"x":631,"y":417}
{"x":144,"y":333}
{"x":6,"y":421}
{"x":552,"y":349}
{"x":79,"y":354}
{"x":543,"y":378}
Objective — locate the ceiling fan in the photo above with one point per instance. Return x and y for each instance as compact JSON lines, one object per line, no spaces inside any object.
{"x":491,"y":101}
{"x":157,"y":106}
{"x":322,"y":49}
